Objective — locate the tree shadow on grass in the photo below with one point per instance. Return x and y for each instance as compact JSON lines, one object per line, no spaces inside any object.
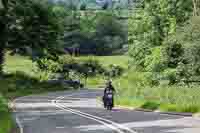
{"x":20,"y":84}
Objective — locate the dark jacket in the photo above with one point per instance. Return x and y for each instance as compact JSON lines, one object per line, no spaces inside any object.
{"x":110,"y":87}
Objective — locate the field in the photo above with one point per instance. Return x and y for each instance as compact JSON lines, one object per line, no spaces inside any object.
{"x":133,"y":87}
{"x":135,"y":92}
{"x":105,"y":61}
{"x":20,"y":78}
{"x":22,"y":68}
{"x":18,"y":63}
{"x":109,"y":60}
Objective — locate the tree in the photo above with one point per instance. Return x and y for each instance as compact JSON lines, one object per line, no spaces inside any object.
{"x":189,"y":36}
{"x":154,"y":44}
{"x":3,"y":32}
{"x":153,"y":24}
{"x":30,"y":24}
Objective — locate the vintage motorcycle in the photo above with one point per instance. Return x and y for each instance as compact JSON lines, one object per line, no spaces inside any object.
{"x":108,"y":100}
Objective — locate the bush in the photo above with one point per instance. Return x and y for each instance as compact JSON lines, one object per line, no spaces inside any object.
{"x":113,"y":71}
{"x":48,"y":65}
{"x":151,"y":105}
{"x":93,"y":65}
{"x":171,"y":75}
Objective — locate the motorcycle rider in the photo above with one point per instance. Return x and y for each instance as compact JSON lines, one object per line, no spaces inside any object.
{"x":109,"y":87}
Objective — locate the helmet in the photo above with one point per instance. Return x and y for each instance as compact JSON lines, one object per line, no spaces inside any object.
{"x":109,"y":82}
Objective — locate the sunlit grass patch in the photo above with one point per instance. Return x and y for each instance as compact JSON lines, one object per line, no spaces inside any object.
{"x":134,"y":87}
{"x":121,"y":60}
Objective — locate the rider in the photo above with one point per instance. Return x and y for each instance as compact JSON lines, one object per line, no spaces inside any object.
{"x":108,"y":87}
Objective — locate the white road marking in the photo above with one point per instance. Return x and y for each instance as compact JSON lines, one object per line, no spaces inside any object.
{"x":60,"y":127}
{"x":56,"y":102}
{"x":19,"y":124}
{"x":112,"y":125}
{"x":32,"y":105}
{"x":17,"y":118}
{"x":108,"y":125}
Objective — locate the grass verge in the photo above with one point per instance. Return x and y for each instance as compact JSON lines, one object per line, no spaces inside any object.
{"x":20,"y":84}
{"x":20,"y":80}
{"x":6,"y":123}
{"x":135,"y":92}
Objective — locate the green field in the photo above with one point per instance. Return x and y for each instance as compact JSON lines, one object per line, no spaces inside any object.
{"x":120,"y":60}
{"x":105,"y":61}
{"x":23,"y":68}
{"x":18,"y":63}
{"x":135,"y":92}
{"x":133,"y":86}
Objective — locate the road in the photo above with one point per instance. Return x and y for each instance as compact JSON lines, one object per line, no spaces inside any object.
{"x":80,"y":112}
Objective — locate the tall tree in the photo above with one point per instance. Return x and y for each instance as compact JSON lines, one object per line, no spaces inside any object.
{"x":152,"y":25}
{"x":3,"y":32}
{"x":27,"y":23}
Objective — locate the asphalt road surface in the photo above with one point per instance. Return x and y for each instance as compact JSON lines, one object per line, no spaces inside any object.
{"x":80,"y":112}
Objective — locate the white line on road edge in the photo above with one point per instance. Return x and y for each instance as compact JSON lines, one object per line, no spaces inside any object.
{"x":56,"y":102}
{"x":19,"y":124}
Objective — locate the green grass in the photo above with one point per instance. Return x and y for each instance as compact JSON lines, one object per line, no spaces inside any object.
{"x":20,"y":84}
{"x":136,"y":92}
{"x":18,"y":63}
{"x":95,"y":82}
{"x":120,"y":60}
{"x":133,"y":86}
{"x":5,"y":117}
{"x":19,"y":66}
{"x":19,"y":80}
{"x":105,"y":61}
{"x":127,"y":102}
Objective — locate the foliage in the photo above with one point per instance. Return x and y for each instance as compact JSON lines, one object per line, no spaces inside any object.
{"x":154,"y":38}
{"x":97,"y":33}
{"x":32,"y":25}
{"x":39,"y":28}
{"x":113,"y":71}
{"x":3,"y":32}
{"x":135,"y":90}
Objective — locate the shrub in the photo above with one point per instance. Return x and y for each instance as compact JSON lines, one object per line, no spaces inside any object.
{"x":93,"y":65}
{"x":151,"y":105}
{"x":48,"y":65}
{"x":114,"y":71}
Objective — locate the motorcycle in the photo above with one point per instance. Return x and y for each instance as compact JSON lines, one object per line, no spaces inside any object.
{"x":108,"y":100}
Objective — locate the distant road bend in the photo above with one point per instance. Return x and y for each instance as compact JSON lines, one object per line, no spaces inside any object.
{"x":80,"y":112}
